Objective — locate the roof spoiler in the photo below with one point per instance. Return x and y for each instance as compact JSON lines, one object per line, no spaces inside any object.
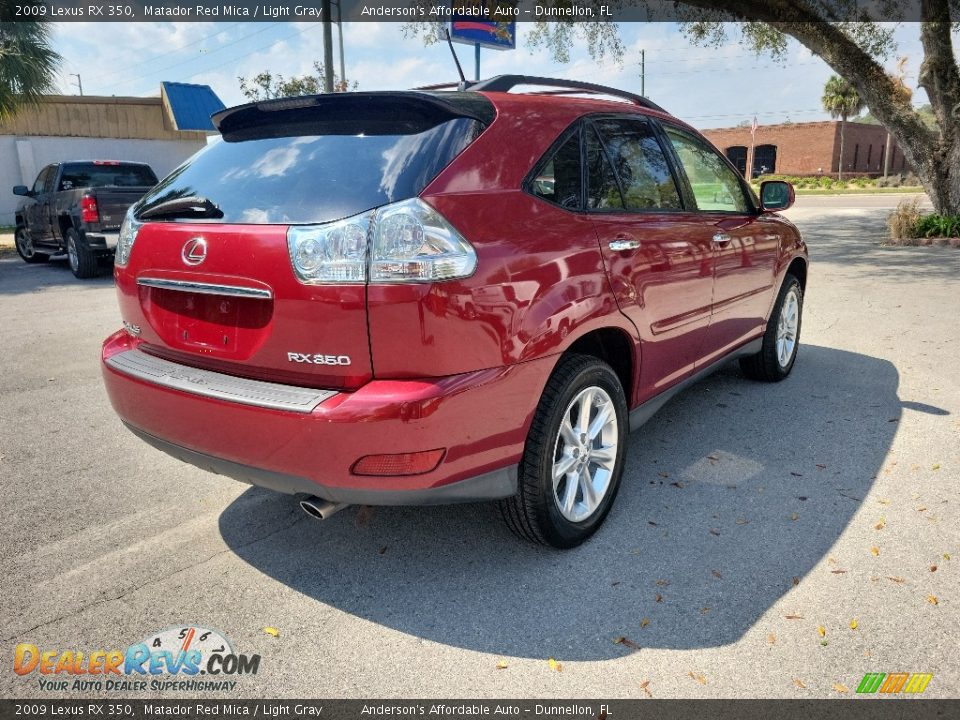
{"x":402,"y":112}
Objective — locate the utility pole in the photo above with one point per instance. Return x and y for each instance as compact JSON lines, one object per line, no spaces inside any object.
{"x":886,"y":157}
{"x":476,"y":63}
{"x":79,"y":82}
{"x":643,"y":73}
{"x":343,"y":72}
{"x":327,"y":46}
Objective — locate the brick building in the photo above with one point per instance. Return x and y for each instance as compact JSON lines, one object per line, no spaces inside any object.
{"x":811,"y":148}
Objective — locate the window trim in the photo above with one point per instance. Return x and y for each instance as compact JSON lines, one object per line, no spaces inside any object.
{"x":752,"y":205}
{"x":667,"y":155}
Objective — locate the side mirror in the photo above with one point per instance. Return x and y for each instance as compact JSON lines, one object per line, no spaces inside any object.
{"x":776,"y":195}
{"x":21,"y":190}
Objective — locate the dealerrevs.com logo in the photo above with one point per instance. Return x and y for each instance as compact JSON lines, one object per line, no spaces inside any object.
{"x":186,"y":658}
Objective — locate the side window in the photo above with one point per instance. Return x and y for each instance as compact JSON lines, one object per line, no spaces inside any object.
{"x":640,"y":164}
{"x":715,"y":186}
{"x":559,"y":180}
{"x":42,"y":180}
{"x":603,"y":191}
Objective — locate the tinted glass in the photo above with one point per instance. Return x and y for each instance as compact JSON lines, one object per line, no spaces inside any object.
{"x":640,"y":165}
{"x":559,"y":180}
{"x":38,"y":185}
{"x":603,"y":192}
{"x":84,"y":175}
{"x":715,"y":186}
{"x":306,"y":178}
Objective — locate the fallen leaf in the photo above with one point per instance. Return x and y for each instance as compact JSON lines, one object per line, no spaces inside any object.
{"x":652,"y":523}
{"x":772,"y":639}
{"x":936,"y":467}
{"x":822,"y":630}
{"x":716,"y":457}
{"x":821,"y":466}
{"x":658,"y":598}
{"x":854,"y":624}
{"x":932,"y":599}
{"x":800,"y":683}
{"x":615,"y":583}
{"x":794,"y":617}
{"x":884,"y":501}
{"x":922,"y":508}
{"x":662,"y":583}
{"x":677,"y":484}
{"x":699,"y":678}
{"x":875,"y":551}
{"x":741,"y":521}
{"x":794,"y":516}
{"x":716,"y":574}
{"x":554,"y":665}
{"x":802,"y":498}
{"x":832,"y":560}
{"x":272,"y":631}
{"x":795,"y":581}
{"x":895,"y":579}
{"x":645,"y":686}
{"x":881,"y":524}
{"x":933,"y":568}
{"x":644,"y":622}
{"x":841,"y":688}
{"x":382,"y":550}
{"x":796,"y":474}
{"x":824,"y":643}
{"x":714,"y":531}
{"x":704,"y":610}
{"x":946,"y":556}
{"x":502,"y":665}
{"x":664,"y":475}
{"x":626,"y":642}
{"x":837,"y":572}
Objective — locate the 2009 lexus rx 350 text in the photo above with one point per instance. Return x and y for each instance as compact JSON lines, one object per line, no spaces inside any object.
{"x":404,"y":298}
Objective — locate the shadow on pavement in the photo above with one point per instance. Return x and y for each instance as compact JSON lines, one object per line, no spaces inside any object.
{"x":730,"y":492}
{"x":16,"y":277}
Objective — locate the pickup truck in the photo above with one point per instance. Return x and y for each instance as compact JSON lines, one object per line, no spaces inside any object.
{"x":77,"y":208}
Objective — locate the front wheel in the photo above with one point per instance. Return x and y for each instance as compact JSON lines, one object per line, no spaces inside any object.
{"x":574,"y":456}
{"x":25,"y":247}
{"x":83,"y":261}
{"x":782,"y":338}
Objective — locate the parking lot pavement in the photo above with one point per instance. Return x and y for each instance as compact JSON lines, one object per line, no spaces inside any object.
{"x":768,"y":540}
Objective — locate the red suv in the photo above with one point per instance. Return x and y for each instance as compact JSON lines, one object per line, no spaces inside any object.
{"x":396,"y":298}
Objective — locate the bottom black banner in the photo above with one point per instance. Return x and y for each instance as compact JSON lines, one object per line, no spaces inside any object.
{"x":853,"y":709}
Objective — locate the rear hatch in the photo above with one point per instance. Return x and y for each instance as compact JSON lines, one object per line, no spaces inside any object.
{"x":251,"y":257}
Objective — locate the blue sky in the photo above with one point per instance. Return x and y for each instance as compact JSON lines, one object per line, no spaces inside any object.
{"x":708,"y":87}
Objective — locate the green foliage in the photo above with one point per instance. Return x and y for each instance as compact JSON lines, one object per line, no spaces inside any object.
{"x":841,"y":99}
{"x":266,"y":85}
{"x":934,"y":225}
{"x":28,"y":64}
{"x":924,"y":111}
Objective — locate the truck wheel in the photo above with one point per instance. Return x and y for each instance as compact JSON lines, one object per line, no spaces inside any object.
{"x":782,"y":338}
{"x":83,"y":261}
{"x":574,"y":456}
{"x":25,"y":247}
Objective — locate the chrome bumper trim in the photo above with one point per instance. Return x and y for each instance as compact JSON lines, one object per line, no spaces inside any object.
{"x":157,"y":371}
{"x":205,"y":288}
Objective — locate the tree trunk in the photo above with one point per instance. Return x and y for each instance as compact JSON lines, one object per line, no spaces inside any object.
{"x":843,"y":128}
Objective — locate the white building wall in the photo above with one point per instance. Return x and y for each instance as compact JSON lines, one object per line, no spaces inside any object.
{"x":22,"y":157}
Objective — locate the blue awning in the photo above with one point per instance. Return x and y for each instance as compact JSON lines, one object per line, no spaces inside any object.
{"x":190,"y":106}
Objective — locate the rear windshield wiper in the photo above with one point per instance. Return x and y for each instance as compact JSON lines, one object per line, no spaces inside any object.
{"x":192,"y":206}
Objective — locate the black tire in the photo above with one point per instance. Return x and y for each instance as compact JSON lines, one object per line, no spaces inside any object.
{"x":766,"y":365}
{"x":534,"y":513}
{"x":25,"y":247}
{"x":83,"y":261}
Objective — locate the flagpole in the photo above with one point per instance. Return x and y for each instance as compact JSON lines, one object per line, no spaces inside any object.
{"x":753,"y":144}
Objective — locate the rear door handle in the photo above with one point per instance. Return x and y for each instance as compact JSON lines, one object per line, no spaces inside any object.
{"x":721,"y":238}
{"x":623,"y":244}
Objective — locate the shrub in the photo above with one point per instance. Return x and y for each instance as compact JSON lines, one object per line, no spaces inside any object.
{"x":937,"y":226}
{"x":911,"y":180}
{"x":891,"y":181}
{"x":902,"y":222}
{"x":825,"y":182}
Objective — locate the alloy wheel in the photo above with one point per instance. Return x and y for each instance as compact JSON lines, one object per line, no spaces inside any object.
{"x":787,"y":327}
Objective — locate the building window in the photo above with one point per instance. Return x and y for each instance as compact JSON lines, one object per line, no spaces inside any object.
{"x":869,"y":154}
{"x":737,"y":154}
{"x":856,"y":154}
{"x":882,"y":151}
{"x":764,"y":159}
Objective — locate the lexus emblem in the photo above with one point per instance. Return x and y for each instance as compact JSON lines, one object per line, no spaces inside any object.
{"x":194,"y":251}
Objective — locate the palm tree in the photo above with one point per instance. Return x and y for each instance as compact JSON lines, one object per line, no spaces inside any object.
{"x":28,"y":65}
{"x":841,"y":100}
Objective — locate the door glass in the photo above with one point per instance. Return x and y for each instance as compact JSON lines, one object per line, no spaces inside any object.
{"x":41,"y":181}
{"x":640,"y":165}
{"x":602,"y":190}
{"x":559,"y":180}
{"x":715,"y":186}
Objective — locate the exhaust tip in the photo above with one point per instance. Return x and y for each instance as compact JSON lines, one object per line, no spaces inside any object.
{"x":319,"y":508}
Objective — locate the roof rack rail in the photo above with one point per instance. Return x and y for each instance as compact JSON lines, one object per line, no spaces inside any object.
{"x":505,"y":83}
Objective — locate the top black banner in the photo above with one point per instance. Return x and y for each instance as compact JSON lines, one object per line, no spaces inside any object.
{"x":442,"y":11}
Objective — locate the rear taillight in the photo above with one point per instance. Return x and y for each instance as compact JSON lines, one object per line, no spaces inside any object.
{"x":407,"y":241}
{"x":128,"y":233}
{"x":88,"y":209}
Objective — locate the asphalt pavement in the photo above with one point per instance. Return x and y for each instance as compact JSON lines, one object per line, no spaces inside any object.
{"x":768,"y":540}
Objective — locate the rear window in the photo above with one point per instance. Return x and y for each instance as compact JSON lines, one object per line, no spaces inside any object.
{"x":304,"y":178}
{"x":94,"y":175}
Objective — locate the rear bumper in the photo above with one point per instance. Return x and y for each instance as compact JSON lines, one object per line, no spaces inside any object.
{"x":102,"y":240}
{"x":480,"y":418}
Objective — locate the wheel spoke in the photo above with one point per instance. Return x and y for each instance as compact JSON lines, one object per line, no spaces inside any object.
{"x":604,"y":413}
{"x":561,"y":467}
{"x":567,"y":434}
{"x":604,"y":456}
{"x":583,"y":412}
{"x":590,"y":498}
{"x":570,"y":496}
